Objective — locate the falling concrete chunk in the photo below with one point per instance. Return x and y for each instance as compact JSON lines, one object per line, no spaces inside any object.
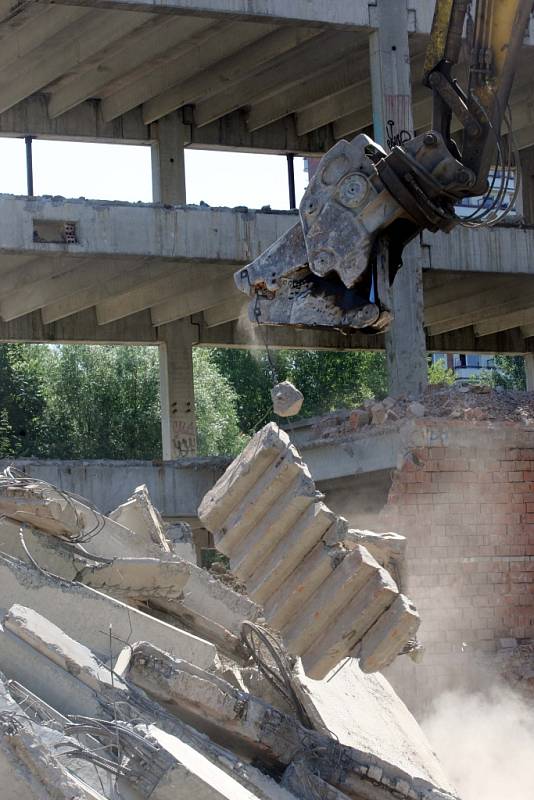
{"x":383,"y":641}
{"x":297,"y":557}
{"x":140,"y":516}
{"x":287,"y":399}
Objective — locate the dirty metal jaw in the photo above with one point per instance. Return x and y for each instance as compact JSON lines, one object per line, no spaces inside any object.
{"x":335,"y":266}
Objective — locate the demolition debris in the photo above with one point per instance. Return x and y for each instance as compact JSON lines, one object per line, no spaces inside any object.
{"x":126,"y":670}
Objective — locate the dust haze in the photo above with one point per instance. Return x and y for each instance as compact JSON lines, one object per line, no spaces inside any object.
{"x":485,"y":742}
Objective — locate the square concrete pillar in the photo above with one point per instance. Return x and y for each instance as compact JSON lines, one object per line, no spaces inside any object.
{"x":177,"y":395}
{"x":526,"y":160}
{"x":529,"y":371}
{"x":393,"y":123}
{"x":168,"y":163}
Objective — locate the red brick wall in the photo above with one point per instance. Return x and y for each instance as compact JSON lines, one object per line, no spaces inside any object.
{"x":464,"y":498}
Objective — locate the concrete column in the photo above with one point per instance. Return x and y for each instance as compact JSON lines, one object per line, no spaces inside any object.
{"x":529,"y":371}
{"x":177,"y":396}
{"x":393,"y":122}
{"x":526,"y":195}
{"x":168,"y":164}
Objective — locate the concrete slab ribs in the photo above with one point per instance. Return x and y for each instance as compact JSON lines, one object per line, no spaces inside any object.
{"x":327,"y":596}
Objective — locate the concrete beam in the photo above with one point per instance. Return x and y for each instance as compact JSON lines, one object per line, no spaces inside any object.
{"x":464,"y":340}
{"x":203,"y":49}
{"x":176,"y":488}
{"x":229,"y":70}
{"x":80,"y":328}
{"x":137,"y":229}
{"x":177,"y":393}
{"x":329,"y":109}
{"x":342,"y":13}
{"x":498,"y":249}
{"x":83,"y":274}
{"x":158,"y":38}
{"x":82,"y":124}
{"x":185,"y":279}
{"x":231,"y":133}
{"x":303,"y":61}
{"x":86,"y":123}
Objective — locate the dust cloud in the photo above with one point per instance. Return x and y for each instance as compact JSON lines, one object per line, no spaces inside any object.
{"x":485,"y":742}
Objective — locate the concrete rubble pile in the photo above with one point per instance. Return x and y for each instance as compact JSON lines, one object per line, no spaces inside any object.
{"x":127,"y":671}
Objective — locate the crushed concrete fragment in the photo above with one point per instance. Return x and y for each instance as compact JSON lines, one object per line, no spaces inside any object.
{"x":320,"y":589}
{"x":139,"y":515}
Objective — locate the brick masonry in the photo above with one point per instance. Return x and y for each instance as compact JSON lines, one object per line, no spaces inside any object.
{"x":463,"y":495}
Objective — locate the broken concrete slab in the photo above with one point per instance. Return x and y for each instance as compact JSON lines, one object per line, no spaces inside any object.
{"x":48,"y":509}
{"x":49,"y":551}
{"x":139,"y":515}
{"x":50,"y":682}
{"x":138,"y":578}
{"x":179,"y":592}
{"x":350,"y":625}
{"x":70,"y":655}
{"x":382,"y":727}
{"x":379,"y":647}
{"x":85,"y":614}
{"x":297,"y":557}
{"x":255,"y":730}
{"x":388,"y":548}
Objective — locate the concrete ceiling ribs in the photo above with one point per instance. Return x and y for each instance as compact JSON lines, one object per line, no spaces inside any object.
{"x":283,"y":76}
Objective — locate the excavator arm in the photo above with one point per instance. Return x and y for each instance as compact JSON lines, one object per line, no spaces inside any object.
{"x":334,"y":268}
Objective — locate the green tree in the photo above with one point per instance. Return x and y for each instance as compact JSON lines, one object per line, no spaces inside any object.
{"x":509,"y":374}
{"x":216,"y":406}
{"x":438,"y":372}
{"x":22,"y":402}
{"x":102,"y":402}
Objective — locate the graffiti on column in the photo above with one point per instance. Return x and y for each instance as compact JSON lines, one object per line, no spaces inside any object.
{"x":184,"y":438}
{"x":399,"y":119}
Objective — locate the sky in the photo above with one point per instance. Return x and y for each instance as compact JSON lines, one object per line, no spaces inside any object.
{"x":122,"y":172}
